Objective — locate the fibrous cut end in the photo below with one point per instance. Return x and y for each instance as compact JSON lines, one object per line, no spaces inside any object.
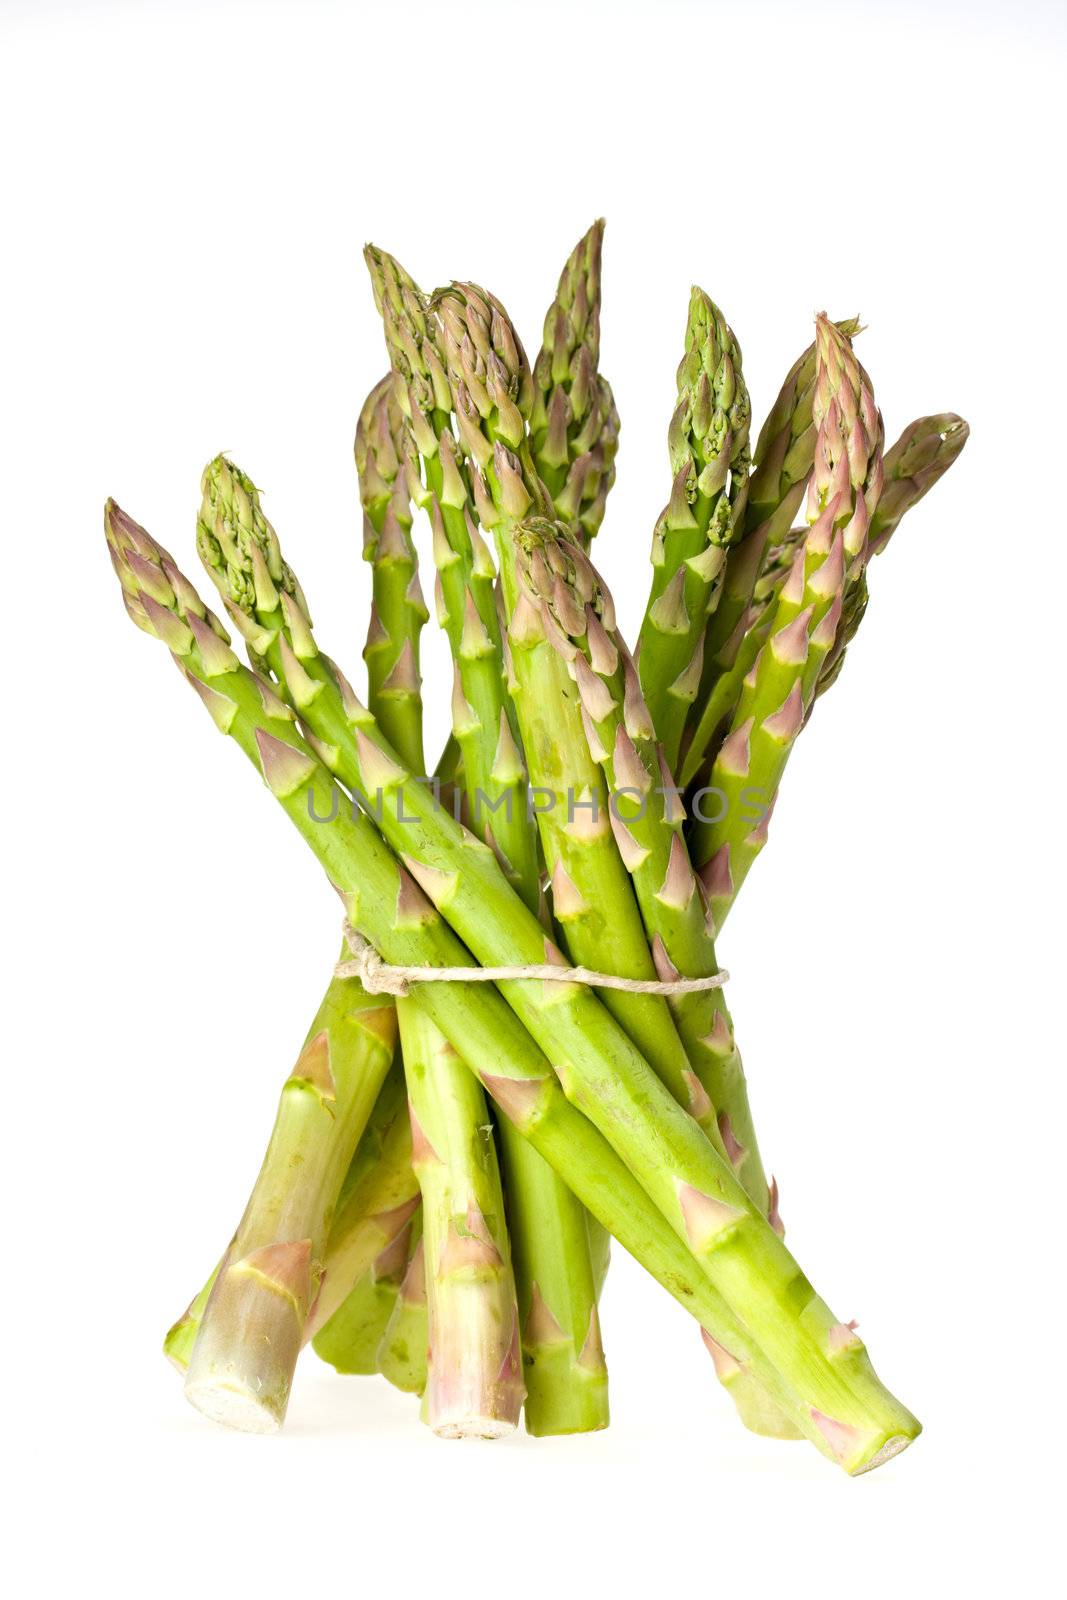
{"x":473,"y":1428}
{"x":234,"y":1406}
{"x":891,"y":1448}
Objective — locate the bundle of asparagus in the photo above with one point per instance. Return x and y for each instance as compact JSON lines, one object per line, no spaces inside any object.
{"x":450,"y":1158}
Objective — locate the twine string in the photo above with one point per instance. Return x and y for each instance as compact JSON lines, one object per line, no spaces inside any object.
{"x":384,"y":977}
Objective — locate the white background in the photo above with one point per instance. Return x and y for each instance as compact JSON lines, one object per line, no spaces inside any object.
{"x":185,"y":194}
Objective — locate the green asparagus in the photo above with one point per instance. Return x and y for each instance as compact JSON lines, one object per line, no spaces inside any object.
{"x":709,"y":453}
{"x":461,"y":1283}
{"x":474,"y":1387}
{"x":574,"y":425}
{"x":590,"y":806}
{"x":388,"y":483}
{"x":818,"y":1374}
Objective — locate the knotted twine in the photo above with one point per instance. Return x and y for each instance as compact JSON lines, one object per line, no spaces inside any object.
{"x":383,"y":977}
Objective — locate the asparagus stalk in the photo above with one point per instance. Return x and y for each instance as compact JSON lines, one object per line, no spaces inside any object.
{"x":475,"y":1387}
{"x":388,"y":474}
{"x":709,"y":452}
{"x":252,"y":1322}
{"x":816,"y":1369}
{"x":574,"y":426}
{"x":561,"y":1257}
{"x":599,"y":1068}
{"x":462,"y":1281}
{"x":565,"y":1374}
{"x":574,"y":437}
{"x":783,"y":460}
{"x":388,"y":482}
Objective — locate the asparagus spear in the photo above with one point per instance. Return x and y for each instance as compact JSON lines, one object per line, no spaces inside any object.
{"x":252,"y":1322}
{"x":783,"y":460}
{"x":709,"y":452}
{"x":388,"y":482}
{"x":601,"y":1071}
{"x":575,"y":437}
{"x":461,"y":1282}
{"x":816,"y":1369}
{"x":475,"y":1388}
{"x":565,"y":1374}
{"x":574,"y":426}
